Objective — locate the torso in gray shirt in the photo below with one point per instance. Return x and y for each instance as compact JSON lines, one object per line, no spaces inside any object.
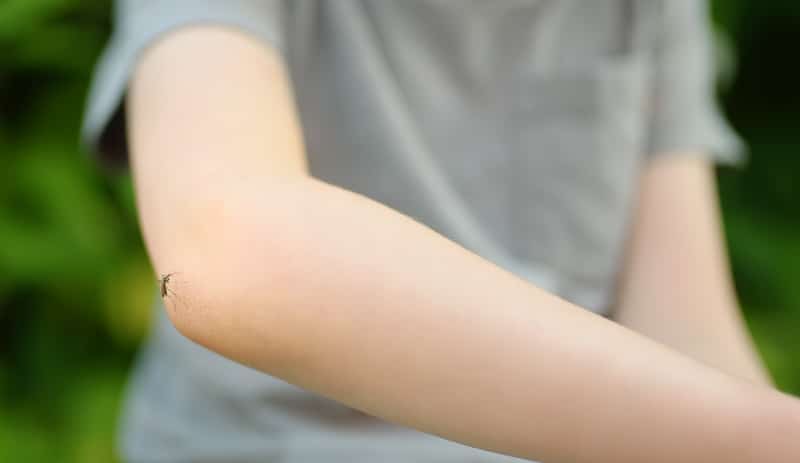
{"x":517,"y":128}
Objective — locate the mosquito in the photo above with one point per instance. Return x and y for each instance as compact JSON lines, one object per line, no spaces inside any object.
{"x":164,"y":284}
{"x":167,"y":292}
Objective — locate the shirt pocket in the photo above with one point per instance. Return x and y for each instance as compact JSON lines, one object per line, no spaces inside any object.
{"x":577,"y":135}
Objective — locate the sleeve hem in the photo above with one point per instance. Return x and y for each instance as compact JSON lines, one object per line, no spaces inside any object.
{"x":732,"y":152}
{"x":707,"y":135}
{"x":106,"y":97}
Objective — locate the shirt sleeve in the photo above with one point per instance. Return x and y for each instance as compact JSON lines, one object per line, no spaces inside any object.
{"x":685,"y":115}
{"x":136,"y":25}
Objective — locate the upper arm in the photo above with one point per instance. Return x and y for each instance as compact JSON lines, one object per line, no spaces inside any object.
{"x":210,"y":111}
{"x":677,"y":286}
{"x":676,"y":262}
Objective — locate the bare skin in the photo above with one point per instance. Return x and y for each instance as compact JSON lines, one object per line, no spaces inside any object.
{"x":677,"y":286}
{"x":344,"y":296}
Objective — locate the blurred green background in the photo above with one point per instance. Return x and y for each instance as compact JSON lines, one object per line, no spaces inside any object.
{"x":76,"y":288}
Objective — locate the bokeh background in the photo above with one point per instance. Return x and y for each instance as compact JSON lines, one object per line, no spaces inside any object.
{"x":76,"y":288}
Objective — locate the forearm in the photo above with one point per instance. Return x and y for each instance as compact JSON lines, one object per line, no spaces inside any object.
{"x":343,"y":296}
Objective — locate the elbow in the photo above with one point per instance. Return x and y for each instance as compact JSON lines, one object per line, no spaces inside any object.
{"x":231,"y":314}
{"x":204,"y":310}
{"x":193,"y":305}
{"x":233,"y":287}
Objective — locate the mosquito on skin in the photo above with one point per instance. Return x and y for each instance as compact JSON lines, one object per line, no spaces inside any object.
{"x":164,"y":288}
{"x":163,"y":283}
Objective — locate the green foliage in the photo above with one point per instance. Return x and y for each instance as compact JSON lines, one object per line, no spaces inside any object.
{"x":760,"y":202}
{"x":76,"y":288}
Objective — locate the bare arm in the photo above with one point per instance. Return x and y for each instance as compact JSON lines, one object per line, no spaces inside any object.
{"x":341,"y":295}
{"x":677,"y":288}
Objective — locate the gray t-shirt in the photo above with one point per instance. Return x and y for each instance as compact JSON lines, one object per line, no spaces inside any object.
{"x":517,"y":128}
